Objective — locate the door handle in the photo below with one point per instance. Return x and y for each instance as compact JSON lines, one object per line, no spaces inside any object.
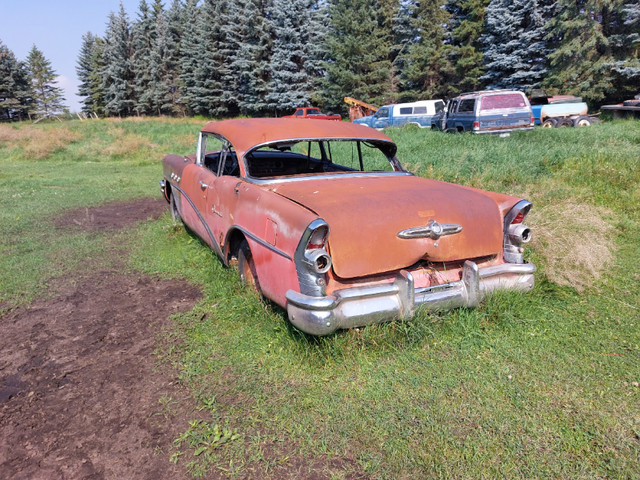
{"x":203,"y":185}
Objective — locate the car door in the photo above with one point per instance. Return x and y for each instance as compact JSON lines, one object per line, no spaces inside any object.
{"x":381,"y":118}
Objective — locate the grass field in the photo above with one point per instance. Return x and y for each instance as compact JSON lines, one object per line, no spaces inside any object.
{"x":541,"y":385}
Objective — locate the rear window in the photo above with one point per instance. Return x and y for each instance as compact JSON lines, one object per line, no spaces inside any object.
{"x":313,"y":111}
{"x":509,"y":100}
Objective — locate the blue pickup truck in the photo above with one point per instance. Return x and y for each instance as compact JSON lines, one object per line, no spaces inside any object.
{"x":422,"y":113}
{"x":489,"y":111}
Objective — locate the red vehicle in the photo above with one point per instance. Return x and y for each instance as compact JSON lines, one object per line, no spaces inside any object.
{"x":314,"y":113}
{"x":322,"y":219}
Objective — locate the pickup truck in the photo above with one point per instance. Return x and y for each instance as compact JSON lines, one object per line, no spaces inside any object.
{"x":560,"y":111}
{"x":314,"y":113}
{"x":421,"y":113}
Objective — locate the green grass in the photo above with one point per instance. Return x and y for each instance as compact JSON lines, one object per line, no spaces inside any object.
{"x":541,"y":385}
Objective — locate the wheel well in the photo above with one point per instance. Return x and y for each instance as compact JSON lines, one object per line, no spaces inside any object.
{"x":234,"y":239}
{"x":460,"y":129}
{"x":167,"y":191}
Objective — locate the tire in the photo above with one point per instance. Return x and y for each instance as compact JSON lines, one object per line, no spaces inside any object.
{"x":565,"y":122}
{"x":175,"y":214}
{"x":582,"y":121}
{"x":247,"y":268}
{"x":550,"y":123}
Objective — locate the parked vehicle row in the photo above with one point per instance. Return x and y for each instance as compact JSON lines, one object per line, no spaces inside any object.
{"x":321,"y":218}
{"x":422,"y":113}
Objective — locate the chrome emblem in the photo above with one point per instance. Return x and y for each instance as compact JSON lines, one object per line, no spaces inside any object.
{"x":433,"y":230}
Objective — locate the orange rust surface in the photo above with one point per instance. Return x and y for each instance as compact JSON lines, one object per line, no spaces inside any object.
{"x":365,"y":214}
{"x":246,"y":133}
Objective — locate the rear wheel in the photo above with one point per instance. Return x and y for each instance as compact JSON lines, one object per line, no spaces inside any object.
{"x":565,"y":122}
{"x":247,"y":267}
{"x":582,"y":121}
{"x":550,"y":123}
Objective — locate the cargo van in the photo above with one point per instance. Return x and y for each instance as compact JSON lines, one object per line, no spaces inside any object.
{"x":422,"y":113}
{"x":489,"y":111}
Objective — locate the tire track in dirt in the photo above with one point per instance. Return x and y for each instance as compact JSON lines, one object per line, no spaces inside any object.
{"x":79,"y":383}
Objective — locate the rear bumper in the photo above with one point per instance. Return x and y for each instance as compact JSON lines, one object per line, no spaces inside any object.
{"x":359,"y":306}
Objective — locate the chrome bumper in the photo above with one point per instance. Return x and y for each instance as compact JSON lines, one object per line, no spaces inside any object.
{"x":359,"y":306}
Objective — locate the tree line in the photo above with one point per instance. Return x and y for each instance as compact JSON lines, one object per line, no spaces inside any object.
{"x":28,"y":89}
{"x":224,"y":58}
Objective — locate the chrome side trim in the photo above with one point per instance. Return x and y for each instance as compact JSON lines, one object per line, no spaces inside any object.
{"x":261,"y":242}
{"x":363,"y":305}
{"x":215,"y":244}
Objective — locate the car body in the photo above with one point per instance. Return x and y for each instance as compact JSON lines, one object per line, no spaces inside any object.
{"x":313,"y":113}
{"x":421,"y":113}
{"x":324,"y":221}
{"x":489,"y":111}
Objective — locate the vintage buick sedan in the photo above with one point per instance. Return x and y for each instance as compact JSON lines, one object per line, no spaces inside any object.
{"x":322,"y":219}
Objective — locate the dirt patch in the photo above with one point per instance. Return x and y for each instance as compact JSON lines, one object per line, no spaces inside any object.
{"x":112,"y":216}
{"x":81,"y":395}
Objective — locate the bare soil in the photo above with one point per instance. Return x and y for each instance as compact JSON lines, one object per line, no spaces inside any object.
{"x":81,"y":392}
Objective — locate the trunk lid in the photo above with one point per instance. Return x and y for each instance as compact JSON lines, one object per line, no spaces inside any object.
{"x":365,"y":215}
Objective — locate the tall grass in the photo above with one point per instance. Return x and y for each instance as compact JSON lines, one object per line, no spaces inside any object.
{"x":540,"y":385}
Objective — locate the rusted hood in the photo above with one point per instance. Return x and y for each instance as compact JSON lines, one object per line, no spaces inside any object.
{"x":365,"y":215}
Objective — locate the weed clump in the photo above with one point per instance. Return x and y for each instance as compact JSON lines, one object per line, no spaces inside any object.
{"x":575,"y":241}
{"x":36,"y":142}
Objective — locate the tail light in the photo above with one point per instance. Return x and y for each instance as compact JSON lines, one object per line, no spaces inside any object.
{"x":533,"y":121}
{"x":318,"y":237}
{"x":476,"y":125}
{"x":515,"y":233}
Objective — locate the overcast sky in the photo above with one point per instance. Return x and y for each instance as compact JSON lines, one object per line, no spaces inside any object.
{"x":56,"y":28}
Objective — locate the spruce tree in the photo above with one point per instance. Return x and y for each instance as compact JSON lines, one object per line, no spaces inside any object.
{"x":427,"y":66}
{"x":117,"y":75}
{"x":47,"y":97}
{"x":295,"y":60}
{"x":466,"y":28}
{"x":191,"y":53}
{"x":357,"y":63}
{"x":251,"y":64}
{"x":514,"y":44}
{"x":175,"y":19}
{"x":88,"y":71}
{"x":597,"y":49}
{"x":16,"y":96}
{"x":142,"y":38}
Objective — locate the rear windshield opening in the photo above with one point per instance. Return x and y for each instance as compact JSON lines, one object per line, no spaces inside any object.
{"x":494,"y":102}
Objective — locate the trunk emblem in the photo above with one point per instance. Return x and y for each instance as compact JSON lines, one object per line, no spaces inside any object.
{"x":433,"y":230}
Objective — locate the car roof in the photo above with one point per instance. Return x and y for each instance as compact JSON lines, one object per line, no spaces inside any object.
{"x":487,"y":92}
{"x":247,"y":133}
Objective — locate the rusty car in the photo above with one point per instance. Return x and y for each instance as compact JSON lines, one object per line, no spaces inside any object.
{"x":322,"y":219}
{"x":313,"y":114}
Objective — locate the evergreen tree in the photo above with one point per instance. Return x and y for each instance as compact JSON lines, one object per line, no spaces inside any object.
{"x":15,"y":89}
{"x":357,"y":63}
{"x":47,"y":97}
{"x":427,"y":66}
{"x":597,"y":53}
{"x":191,"y":54}
{"x":88,"y":69}
{"x":175,"y":26}
{"x":295,"y":60}
{"x":466,"y":28}
{"x":117,"y":75}
{"x":163,"y":75}
{"x":514,"y":44}
{"x":142,"y":38}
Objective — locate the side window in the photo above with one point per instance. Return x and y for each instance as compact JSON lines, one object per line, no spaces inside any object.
{"x":406,"y":110}
{"x":299,"y":113}
{"x":419,"y":110}
{"x":454,"y":106}
{"x":439,"y":107}
{"x":382,"y":112}
{"x":467,"y":106}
